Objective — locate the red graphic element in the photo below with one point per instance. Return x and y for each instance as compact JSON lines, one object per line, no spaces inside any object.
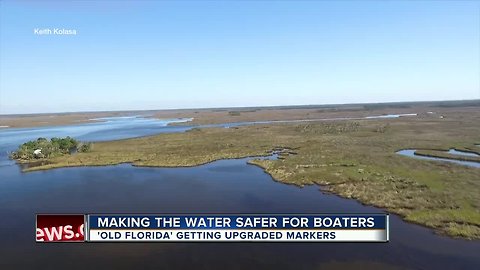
{"x":60,"y":228}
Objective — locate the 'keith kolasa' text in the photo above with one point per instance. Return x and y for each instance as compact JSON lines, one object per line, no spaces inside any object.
{"x":54,"y":31}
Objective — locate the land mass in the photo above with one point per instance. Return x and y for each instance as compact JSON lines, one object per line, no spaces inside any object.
{"x":352,"y":158}
{"x":245,"y":114}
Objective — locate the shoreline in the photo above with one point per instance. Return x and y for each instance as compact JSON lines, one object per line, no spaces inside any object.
{"x":287,"y":151}
{"x":251,"y":160}
{"x":352,"y":159}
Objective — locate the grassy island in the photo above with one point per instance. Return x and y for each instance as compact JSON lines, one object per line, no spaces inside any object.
{"x":353,"y":159}
{"x":43,"y":148}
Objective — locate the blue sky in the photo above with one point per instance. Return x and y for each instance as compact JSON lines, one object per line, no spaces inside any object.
{"x":193,"y":54}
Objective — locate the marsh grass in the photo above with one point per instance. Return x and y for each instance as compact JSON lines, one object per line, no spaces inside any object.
{"x":354,"y":159}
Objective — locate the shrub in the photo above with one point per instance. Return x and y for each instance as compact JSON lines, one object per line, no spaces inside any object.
{"x":84,"y":147}
{"x":54,"y":147}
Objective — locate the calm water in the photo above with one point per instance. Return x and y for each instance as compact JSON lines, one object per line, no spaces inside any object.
{"x":227,"y":186}
{"x":411,"y":153}
{"x":391,"y":115}
{"x":462,"y":153}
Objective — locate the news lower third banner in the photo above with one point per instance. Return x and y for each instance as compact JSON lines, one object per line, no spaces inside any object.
{"x":213,"y":228}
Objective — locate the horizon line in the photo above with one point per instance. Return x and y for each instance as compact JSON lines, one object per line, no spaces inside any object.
{"x":240,"y":107}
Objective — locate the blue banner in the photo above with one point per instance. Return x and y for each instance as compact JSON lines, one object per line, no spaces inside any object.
{"x":248,"y":221}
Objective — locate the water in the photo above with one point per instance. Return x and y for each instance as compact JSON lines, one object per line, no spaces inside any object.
{"x":111,"y":128}
{"x":391,"y":116}
{"x":411,"y":153}
{"x":228,"y":125}
{"x":226,"y":186}
{"x":462,"y":153}
{"x":115,"y":128}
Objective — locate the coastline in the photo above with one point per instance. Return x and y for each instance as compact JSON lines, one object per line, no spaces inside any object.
{"x":330,"y":155}
{"x":254,"y":161}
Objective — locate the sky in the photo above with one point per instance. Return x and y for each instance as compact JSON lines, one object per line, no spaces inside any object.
{"x":144,"y":55}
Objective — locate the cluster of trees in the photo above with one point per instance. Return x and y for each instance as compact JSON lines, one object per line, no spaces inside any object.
{"x":44,"y":148}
